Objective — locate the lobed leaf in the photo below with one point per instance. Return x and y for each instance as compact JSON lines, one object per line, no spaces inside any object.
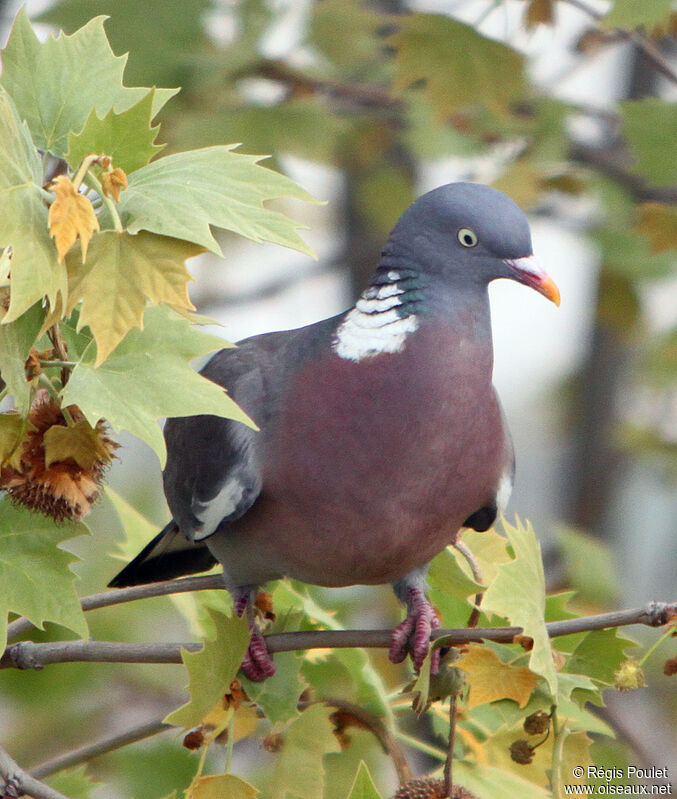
{"x":490,"y":678}
{"x":16,"y":340}
{"x":69,"y":76}
{"x":36,"y":272}
{"x":34,"y":572}
{"x":363,"y":787}
{"x":220,"y":786}
{"x":212,"y":669}
{"x":182,"y":195}
{"x":149,"y":377}
{"x":518,"y":593}
{"x":123,"y":273}
{"x":71,"y":217}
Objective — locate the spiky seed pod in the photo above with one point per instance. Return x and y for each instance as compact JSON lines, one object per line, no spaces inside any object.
{"x":430,"y":788}
{"x":629,"y":676}
{"x":61,"y":489}
{"x":537,"y":723}
{"x":522,"y":752}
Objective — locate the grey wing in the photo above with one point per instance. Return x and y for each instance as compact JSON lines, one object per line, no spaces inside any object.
{"x":212,"y":474}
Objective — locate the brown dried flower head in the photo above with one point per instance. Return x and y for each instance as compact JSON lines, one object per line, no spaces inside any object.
{"x":58,"y":468}
{"x":537,"y":723}
{"x":430,"y":788}
{"x":522,"y":752}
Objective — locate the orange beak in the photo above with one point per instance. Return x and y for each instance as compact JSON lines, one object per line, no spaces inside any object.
{"x":527,"y":271}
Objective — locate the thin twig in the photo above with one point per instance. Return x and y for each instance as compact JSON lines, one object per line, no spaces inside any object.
{"x":30,"y":655}
{"x":90,"y":751}
{"x":472,"y":561}
{"x":448,"y":765}
{"x":15,"y":782}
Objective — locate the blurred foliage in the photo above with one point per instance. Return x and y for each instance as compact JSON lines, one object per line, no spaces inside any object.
{"x":364,"y":91}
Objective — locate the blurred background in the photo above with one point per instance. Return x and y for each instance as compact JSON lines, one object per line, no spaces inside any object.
{"x":567,"y":110}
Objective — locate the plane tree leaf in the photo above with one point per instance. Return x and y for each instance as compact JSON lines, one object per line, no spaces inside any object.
{"x":182,"y":195}
{"x":34,"y":572}
{"x":363,"y":787}
{"x":650,"y":127}
{"x":149,"y":376}
{"x":36,"y":272}
{"x":490,"y":678}
{"x":454,"y":65}
{"x":127,"y":137}
{"x":16,"y":340}
{"x":124,"y":272}
{"x":57,"y":100}
{"x":71,"y":217}
{"x":518,"y":594}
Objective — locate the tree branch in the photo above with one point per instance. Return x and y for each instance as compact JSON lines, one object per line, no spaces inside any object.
{"x":15,"y":782}
{"x":86,"y":753}
{"x":30,"y":655}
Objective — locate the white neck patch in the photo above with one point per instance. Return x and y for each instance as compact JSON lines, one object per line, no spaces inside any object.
{"x":374,"y":325}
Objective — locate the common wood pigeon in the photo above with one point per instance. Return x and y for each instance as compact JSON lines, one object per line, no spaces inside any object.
{"x":381,"y":435}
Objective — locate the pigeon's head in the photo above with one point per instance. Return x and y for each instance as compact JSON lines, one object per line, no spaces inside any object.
{"x":469,"y":234}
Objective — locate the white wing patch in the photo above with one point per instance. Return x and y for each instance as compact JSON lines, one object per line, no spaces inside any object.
{"x":212,"y":513}
{"x":504,"y":492}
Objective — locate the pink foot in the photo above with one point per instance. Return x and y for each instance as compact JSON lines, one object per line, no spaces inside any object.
{"x":257,"y":664}
{"x":413,"y":634}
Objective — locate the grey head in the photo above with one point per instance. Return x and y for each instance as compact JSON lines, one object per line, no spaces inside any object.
{"x":466,"y":234}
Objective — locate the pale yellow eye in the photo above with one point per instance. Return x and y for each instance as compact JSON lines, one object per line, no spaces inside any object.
{"x":467,"y":237}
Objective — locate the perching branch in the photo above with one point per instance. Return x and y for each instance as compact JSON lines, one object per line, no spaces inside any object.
{"x":15,"y":782}
{"x":30,"y":655}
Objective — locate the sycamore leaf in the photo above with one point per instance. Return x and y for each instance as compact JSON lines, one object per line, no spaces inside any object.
{"x":81,"y":442}
{"x":658,"y":222}
{"x":278,"y":696}
{"x":183,"y":194}
{"x":71,"y":217}
{"x":457,"y":66}
{"x":631,"y":14}
{"x":299,"y":771}
{"x":34,"y":574}
{"x":599,"y":655}
{"x":75,"y":783}
{"x":490,"y":678}
{"x":127,"y":137}
{"x":122,"y":274}
{"x":490,"y":782}
{"x":650,"y":127}
{"x":518,"y":594}
{"x":149,"y":377}
{"x":69,"y":76}
{"x":16,"y":340}
{"x":212,"y":669}
{"x":363,"y":786}
{"x":137,"y":528}
{"x":220,"y":786}
{"x":36,"y":271}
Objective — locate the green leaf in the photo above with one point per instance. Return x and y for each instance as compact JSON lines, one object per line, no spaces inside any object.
{"x":451,"y":588}
{"x":36,"y":271}
{"x":457,"y":66}
{"x":16,"y":340}
{"x":221,"y":786}
{"x":346,"y":33}
{"x":138,"y":529}
{"x":299,"y":771}
{"x":74,"y":783}
{"x":56,"y":84}
{"x":599,"y":655}
{"x":650,"y":127}
{"x":212,"y":669}
{"x":631,"y":14}
{"x":183,"y":194}
{"x":363,"y":787}
{"x":122,"y":273}
{"x":161,"y":37}
{"x":590,"y":567}
{"x":148,"y":377}
{"x":12,"y":429}
{"x":518,"y":593}
{"x":34,"y":574}
{"x":496,"y":783}
{"x":128,"y":137}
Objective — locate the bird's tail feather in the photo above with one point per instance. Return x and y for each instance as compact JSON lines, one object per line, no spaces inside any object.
{"x":167,"y":556}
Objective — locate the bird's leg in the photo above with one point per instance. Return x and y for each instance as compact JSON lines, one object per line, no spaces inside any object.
{"x":413,"y":634}
{"x":257,"y":664}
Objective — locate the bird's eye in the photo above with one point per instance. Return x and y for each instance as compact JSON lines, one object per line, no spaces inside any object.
{"x":467,"y":237}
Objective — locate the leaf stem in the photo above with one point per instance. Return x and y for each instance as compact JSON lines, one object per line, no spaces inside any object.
{"x":229,"y":742}
{"x":87,"y":161}
{"x":557,"y":750}
{"x":448,"y":765}
{"x":63,"y":364}
{"x":108,"y":201}
{"x":427,"y":749}
{"x":670,"y":631}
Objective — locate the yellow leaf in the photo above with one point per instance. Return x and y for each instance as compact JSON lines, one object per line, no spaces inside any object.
{"x":114,"y":182}
{"x":220,"y":786}
{"x":81,"y":442}
{"x":658,"y":222}
{"x":492,"y":679}
{"x":71,"y":216}
{"x":12,"y":430}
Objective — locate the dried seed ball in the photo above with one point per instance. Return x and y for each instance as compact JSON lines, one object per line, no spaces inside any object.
{"x":430,"y":788}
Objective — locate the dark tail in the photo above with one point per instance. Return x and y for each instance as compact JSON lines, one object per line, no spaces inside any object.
{"x":167,"y":556}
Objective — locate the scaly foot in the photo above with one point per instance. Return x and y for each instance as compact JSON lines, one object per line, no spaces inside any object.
{"x":412,"y":636}
{"x":257,"y":664}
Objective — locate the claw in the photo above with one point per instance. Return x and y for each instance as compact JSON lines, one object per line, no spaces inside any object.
{"x":412,"y":636}
{"x":257,"y":664}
